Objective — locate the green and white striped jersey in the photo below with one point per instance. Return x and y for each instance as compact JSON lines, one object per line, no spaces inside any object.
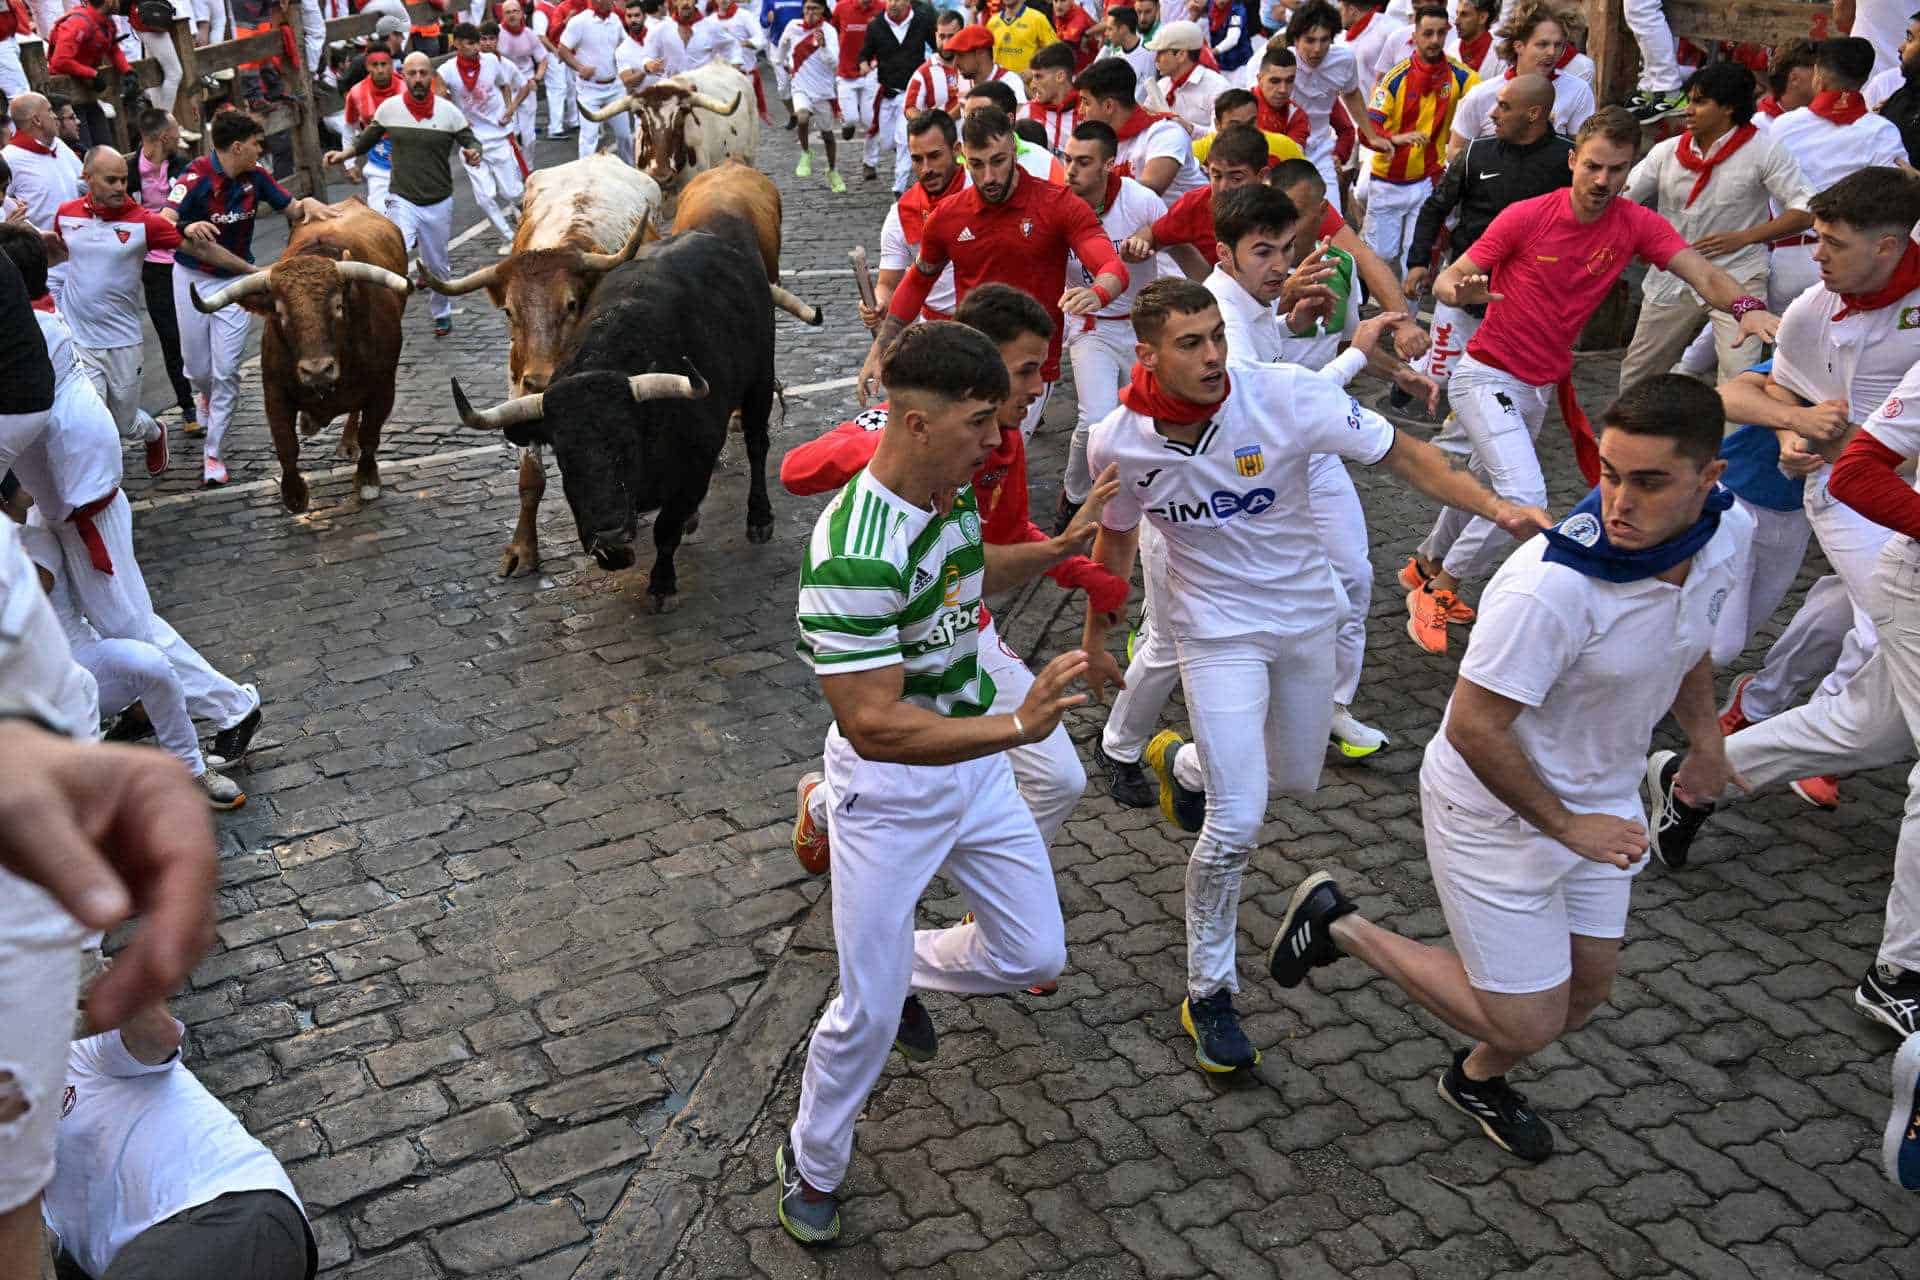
{"x":886,"y":582}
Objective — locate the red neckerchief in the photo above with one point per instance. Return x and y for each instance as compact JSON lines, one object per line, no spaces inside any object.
{"x":917,"y":203}
{"x":422,"y":112}
{"x":1145,"y":395}
{"x":1217,"y":16}
{"x":1140,"y":121}
{"x":1553,"y":74}
{"x":1353,"y":32}
{"x":1002,"y":455}
{"x":514,"y":30}
{"x":95,"y":211}
{"x":1567,"y":55}
{"x":1691,"y":160}
{"x":44,"y":303}
{"x":1427,"y":80}
{"x":1038,"y":110}
{"x":686,"y":32}
{"x":726,"y":13}
{"x":1905,"y":279}
{"x":1840,"y":108}
{"x":804,"y":47}
{"x":1770,"y":107}
{"x":1270,"y":120}
{"x":1113,"y":193}
{"x":470,"y":79}
{"x":27,"y":142}
{"x":1474,"y":52}
{"x":1173,"y":86}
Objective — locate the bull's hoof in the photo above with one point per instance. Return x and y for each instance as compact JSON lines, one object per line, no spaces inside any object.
{"x":368,"y":492}
{"x":293,"y":493}
{"x":759,"y":532}
{"x":309,"y":424}
{"x":348,"y":450}
{"x":517,"y":556}
{"x":663,"y":603}
{"x":690,"y":526}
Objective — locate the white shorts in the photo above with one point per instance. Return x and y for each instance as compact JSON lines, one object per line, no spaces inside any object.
{"x":39,"y":987}
{"x":806,"y":104}
{"x":1513,"y":898}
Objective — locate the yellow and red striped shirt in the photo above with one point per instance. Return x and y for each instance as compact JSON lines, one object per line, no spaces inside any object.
{"x":1400,"y":106}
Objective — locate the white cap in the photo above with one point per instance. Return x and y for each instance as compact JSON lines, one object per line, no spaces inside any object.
{"x":1177,"y":35}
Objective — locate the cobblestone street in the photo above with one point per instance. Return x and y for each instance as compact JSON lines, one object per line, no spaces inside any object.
{"x":516,"y":967}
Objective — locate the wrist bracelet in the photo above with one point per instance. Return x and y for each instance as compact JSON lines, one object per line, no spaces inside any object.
{"x":1106,"y":299}
{"x":1746,"y":302}
{"x":1018,"y":727}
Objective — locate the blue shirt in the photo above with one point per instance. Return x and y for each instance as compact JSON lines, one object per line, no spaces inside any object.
{"x":206,"y":193}
{"x":1752,"y":456}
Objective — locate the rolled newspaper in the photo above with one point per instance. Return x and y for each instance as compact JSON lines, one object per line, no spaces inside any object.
{"x":862,"y":277}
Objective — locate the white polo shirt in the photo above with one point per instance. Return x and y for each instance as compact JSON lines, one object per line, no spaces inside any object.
{"x":138,"y":1144}
{"x":77,"y":459}
{"x":1133,"y":206}
{"x":1859,"y":359}
{"x":595,"y":42}
{"x":684,"y":51}
{"x":1827,"y":152}
{"x":1385,"y":41}
{"x":1316,"y":88}
{"x":1243,"y":553}
{"x":1193,"y":99}
{"x":1595,"y":664}
{"x":104,"y":297}
{"x":1256,"y":332}
{"x":43,"y":181}
{"x":1572,"y":104}
{"x":1162,"y":138}
{"x":485,"y":103}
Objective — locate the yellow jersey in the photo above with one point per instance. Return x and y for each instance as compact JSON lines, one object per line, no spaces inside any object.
{"x":1015,"y":42}
{"x":1279,"y":148}
{"x":1400,"y":106}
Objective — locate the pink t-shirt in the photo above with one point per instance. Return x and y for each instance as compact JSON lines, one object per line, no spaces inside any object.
{"x":1552,"y":272}
{"x":154,"y":183}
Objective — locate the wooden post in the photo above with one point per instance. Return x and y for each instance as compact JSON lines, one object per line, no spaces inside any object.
{"x":1607,"y":43}
{"x":186,"y":103}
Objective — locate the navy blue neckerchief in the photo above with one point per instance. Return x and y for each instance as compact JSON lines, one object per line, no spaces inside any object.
{"x":1580,"y":542}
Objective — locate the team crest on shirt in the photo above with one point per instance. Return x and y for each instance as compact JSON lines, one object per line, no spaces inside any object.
{"x":1891,"y":409}
{"x":970,"y":525}
{"x":1910,"y":318}
{"x":1601,"y":259}
{"x":67,"y":1100}
{"x":124,"y":234}
{"x":950,"y":595}
{"x":1714,"y":605}
{"x":1248,"y":460}
{"x":1581,"y":527}
{"x":1026,"y":226}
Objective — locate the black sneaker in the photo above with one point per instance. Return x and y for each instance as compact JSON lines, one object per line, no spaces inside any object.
{"x":916,"y":1040}
{"x":1891,"y":997}
{"x":1499,"y":1110}
{"x":131,"y":726}
{"x":809,"y":1216}
{"x":1064,"y":511}
{"x":1305,"y":940}
{"x":1673,"y":822}
{"x":846,"y":133}
{"x":1183,"y":806}
{"x":230,"y":744}
{"x":1399,"y":400}
{"x":1219,"y":1044}
{"x":1126,"y":781}
{"x":1649,"y":107}
{"x":793,"y":123}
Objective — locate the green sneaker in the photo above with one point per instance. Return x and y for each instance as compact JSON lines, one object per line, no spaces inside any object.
{"x":805,"y":168}
{"x":836,"y":183}
{"x":809,"y":1216}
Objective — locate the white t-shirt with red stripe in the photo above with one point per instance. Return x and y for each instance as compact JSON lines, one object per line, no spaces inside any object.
{"x":103,"y":293}
{"x":1163,"y":137}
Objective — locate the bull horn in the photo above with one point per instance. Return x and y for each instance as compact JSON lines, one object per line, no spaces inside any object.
{"x":790,"y":302}
{"x":367,"y":273}
{"x":503,"y":415}
{"x":669,"y":386}
{"x":481,"y":279}
{"x":604,"y":262}
{"x":245,"y":287}
{"x":606,"y":113}
{"x":706,"y":103}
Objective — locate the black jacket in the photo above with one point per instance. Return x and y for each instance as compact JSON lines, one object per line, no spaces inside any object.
{"x":1487,"y":177}
{"x":1903,"y":108}
{"x":896,"y":60}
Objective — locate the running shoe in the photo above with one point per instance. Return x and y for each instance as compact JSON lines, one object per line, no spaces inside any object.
{"x":1428,"y":612}
{"x":1305,"y":938}
{"x":836,"y":183}
{"x":809,"y":840}
{"x":190,"y":426}
{"x":442,"y":326}
{"x":809,"y":1216}
{"x":1890,"y":996}
{"x":1126,"y":780}
{"x":1412,"y":576}
{"x":1355,"y":740}
{"x":231,"y":743}
{"x":157,"y":449}
{"x":1064,"y":510}
{"x":213,"y":472}
{"x":1733,"y":716}
{"x":916,"y":1040}
{"x":1219,"y":1045}
{"x":805,"y":168}
{"x":1501,"y":1111}
{"x":1673,"y":822}
{"x":1184,"y":807}
{"x":1822,"y":792}
{"x":222,"y":792}
{"x":846,"y":133}
{"x":1650,"y":107}
{"x":793,"y":123}
{"x":868,"y":173}
{"x":1900,"y":1149}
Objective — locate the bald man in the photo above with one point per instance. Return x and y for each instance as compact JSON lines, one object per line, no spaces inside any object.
{"x":46,"y":171}
{"x":424,"y":128}
{"x":1524,"y":158}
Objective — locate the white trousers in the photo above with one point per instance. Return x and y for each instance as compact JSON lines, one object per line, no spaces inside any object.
{"x":526,"y":127}
{"x":13,"y":76}
{"x":1453,"y":328}
{"x":130,"y":671}
{"x":856,"y":97}
{"x":562,"y":113}
{"x":888,"y":112}
{"x":1342,"y":526}
{"x":1659,"y":60}
{"x":1392,"y":210}
{"x":426,"y":228}
{"x":1820,"y":643}
{"x":210,"y":349}
{"x":1261,"y":707}
{"x":895,"y":827}
{"x":598,"y":96}
{"x":1779,"y":545}
{"x":1874,"y":722}
{"x":313,"y":25}
{"x":212,"y":15}
{"x":119,"y":607}
{"x":1791,"y":271}
{"x":497,"y":185}
{"x":378,"y":181}
{"x":39,"y":989}
{"x":1102,"y":359}
{"x":1496,"y":418}
{"x":1319,"y":149}
{"x":115,"y":375}
{"x":1154,"y":669}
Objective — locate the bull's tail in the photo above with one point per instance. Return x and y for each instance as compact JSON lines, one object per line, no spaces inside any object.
{"x":804,"y":312}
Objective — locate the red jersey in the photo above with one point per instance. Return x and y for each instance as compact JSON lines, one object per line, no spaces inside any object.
{"x":14,"y":19}
{"x":1023,"y":241}
{"x":936,"y":85}
{"x":365,"y":98}
{"x":83,"y":41}
{"x":1189,"y":221}
{"x":829,"y":461}
{"x":1074,"y":30}
{"x":851,"y":18}
{"x":1291,"y":125}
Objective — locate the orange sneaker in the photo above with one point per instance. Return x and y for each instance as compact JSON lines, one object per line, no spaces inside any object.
{"x":1822,"y":792}
{"x":1733,"y":716}
{"x":1412,"y":576}
{"x":1428,"y":612}
{"x":809,"y":841}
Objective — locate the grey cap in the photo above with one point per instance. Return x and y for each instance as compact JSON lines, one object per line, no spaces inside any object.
{"x":390,"y":26}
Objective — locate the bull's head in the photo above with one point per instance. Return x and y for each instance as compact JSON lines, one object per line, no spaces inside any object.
{"x":304,"y":298}
{"x":663,"y":113}
{"x":544,"y":293}
{"x":597,"y":424}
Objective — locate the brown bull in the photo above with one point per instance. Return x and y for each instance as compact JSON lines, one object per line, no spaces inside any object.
{"x":332,"y":337}
{"x":736,"y":191}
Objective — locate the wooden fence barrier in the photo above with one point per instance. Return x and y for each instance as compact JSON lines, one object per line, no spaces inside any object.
{"x":1706,"y":22}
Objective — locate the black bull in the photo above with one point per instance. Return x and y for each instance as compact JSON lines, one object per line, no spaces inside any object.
{"x":695,"y":301}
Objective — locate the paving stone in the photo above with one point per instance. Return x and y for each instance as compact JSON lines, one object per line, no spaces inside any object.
{"x":574,"y":1152}
{"x":513,"y":1235}
{"x":458,"y":1194}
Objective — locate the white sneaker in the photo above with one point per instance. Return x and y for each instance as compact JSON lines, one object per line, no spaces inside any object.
{"x":1354,"y":739}
{"x":222,"y":792}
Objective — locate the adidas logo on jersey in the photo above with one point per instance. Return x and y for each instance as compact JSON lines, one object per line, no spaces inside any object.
{"x":966,"y":234}
{"x":921,"y":581}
